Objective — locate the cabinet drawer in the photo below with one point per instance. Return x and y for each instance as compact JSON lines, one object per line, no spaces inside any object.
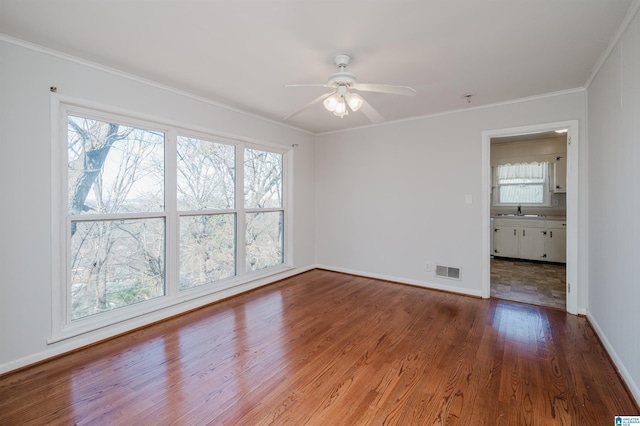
{"x":519,"y":223}
{"x":556,"y":224}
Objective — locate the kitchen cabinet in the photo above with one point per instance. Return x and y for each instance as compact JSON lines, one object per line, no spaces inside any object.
{"x":560,"y":175}
{"x":556,"y":241}
{"x":519,"y":238}
{"x":505,"y":241}
{"x":532,"y":244}
{"x":531,"y":239}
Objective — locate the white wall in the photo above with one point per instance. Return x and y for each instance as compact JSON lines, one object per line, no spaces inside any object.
{"x":391,"y":198}
{"x":614,"y":204}
{"x":25,"y":170}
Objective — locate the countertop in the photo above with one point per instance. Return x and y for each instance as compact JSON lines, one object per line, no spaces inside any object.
{"x":535,"y":217}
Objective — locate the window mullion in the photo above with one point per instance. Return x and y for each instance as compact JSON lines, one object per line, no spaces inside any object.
{"x":241,"y":214}
{"x":287,"y":191}
{"x":172,"y":239}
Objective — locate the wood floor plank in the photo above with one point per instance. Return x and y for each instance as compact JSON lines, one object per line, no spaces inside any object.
{"x":328,"y":348}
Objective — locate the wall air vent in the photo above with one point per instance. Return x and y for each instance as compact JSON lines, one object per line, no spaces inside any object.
{"x":447,"y":272}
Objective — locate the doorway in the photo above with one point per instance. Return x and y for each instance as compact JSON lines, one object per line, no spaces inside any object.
{"x":529,"y":218}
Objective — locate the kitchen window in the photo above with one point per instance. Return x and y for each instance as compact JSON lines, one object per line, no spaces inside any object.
{"x":521,"y":184}
{"x":153,"y":215}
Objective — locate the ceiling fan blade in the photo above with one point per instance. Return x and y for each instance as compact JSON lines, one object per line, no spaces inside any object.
{"x":386,"y":88}
{"x":373,"y":115}
{"x":315,"y":101}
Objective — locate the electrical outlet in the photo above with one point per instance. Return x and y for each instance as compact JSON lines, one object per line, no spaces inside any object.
{"x":427,"y":266}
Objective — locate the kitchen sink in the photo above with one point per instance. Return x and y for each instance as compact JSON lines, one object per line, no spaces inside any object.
{"x":519,"y":215}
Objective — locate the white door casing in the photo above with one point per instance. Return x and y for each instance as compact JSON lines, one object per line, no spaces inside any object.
{"x":573,"y":286}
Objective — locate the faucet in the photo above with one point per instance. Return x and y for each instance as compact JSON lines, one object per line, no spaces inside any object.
{"x":519,"y":213}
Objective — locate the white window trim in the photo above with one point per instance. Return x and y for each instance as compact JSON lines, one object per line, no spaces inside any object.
{"x":61,"y":326}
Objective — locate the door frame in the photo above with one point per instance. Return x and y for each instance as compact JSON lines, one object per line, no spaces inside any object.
{"x":573,"y":287}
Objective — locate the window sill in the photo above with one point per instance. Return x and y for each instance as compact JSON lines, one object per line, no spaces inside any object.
{"x":135,"y":316}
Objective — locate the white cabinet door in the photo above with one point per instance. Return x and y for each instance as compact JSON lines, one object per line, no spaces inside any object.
{"x":530,"y":239}
{"x":505,"y":241}
{"x":560,"y":175}
{"x":532,"y":243}
{"x":556,"y":245}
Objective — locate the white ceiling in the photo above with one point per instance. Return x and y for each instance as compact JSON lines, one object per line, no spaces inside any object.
{"x":241,"y":53}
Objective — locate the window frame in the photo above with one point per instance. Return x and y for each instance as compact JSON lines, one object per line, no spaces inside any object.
{"x":546,"y":194}
{"x":191,"y":213}
{"x":253,"y":210}
{"x":62,"y":326}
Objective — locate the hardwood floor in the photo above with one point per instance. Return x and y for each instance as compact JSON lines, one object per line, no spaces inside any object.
{"x":325,"y":348}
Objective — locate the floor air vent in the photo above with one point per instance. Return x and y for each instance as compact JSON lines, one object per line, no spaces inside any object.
{"x":447,"y":272}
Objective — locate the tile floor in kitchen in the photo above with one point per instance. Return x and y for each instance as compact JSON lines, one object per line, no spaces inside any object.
{"x":536,"y":283}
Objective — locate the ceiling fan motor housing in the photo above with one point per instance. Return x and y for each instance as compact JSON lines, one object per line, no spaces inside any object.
{"x":342,"y":79}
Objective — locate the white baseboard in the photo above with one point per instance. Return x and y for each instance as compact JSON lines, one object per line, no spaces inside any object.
{"x":432,"y":286}
{"x":622,"y":370}
{"x":90,"y":338}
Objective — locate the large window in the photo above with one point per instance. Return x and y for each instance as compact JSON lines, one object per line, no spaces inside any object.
{"x":157,"y":214}
{"x":521,"y":184}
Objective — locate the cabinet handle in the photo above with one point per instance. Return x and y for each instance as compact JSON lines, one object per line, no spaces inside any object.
{"x":544,"y":232}
{"x":514,"y":232}
{"x":550,"y":234}
{"x":523,"y":232}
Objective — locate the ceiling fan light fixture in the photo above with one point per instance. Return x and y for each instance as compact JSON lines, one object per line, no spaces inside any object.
{"x":341,"y":109}
{"x":331,"y":102}
{"x":355,"y":101}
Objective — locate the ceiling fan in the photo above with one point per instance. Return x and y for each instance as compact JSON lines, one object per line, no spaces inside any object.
{"x":342,"y":98}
